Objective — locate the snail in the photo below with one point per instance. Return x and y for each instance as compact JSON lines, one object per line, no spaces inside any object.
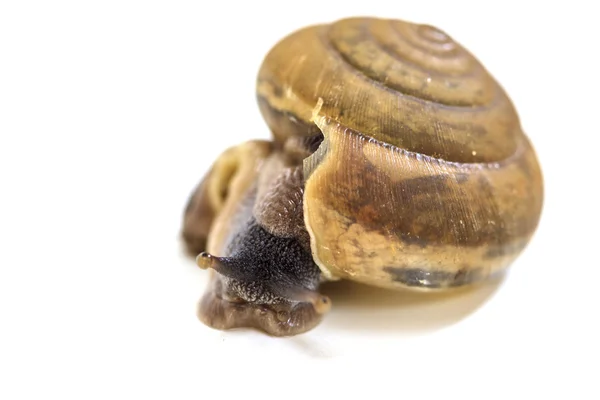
{"x":396,"y":161}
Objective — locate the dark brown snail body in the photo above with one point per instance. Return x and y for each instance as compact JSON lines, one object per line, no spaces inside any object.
{"x":397,"y":161}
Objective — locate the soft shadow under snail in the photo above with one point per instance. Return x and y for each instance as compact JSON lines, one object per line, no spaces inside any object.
{"x":396,"y":161}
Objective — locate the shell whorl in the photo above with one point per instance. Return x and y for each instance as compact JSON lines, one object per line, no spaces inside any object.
{"x":404,"y":84}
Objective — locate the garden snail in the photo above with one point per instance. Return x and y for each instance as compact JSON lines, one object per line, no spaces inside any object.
{"x":396,"y":161}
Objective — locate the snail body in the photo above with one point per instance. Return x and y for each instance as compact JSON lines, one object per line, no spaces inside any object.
{"x":396,"y":161}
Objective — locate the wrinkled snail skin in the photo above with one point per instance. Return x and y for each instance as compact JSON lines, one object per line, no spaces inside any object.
{"x":397,"y":161}
{"x":265,"y":277}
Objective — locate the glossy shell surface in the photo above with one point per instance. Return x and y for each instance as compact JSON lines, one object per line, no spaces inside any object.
{"x":424,"y":177}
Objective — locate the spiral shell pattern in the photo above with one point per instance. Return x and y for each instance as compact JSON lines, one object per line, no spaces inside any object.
{"x":424,"y":177}
{"x":404,"y":84}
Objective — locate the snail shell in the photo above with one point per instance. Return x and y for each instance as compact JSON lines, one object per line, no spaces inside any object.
{"x":424,"y":177}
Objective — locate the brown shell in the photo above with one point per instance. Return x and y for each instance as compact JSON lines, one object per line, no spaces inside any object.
{"x":424,"y":177}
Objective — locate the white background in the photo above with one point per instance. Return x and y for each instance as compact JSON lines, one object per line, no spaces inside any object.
{"x":107,"y":109}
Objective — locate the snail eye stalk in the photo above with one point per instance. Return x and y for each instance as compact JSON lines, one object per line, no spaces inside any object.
{"x":223,"y":265}
{"x":321,"y":303}
{"x":205,"y":260}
